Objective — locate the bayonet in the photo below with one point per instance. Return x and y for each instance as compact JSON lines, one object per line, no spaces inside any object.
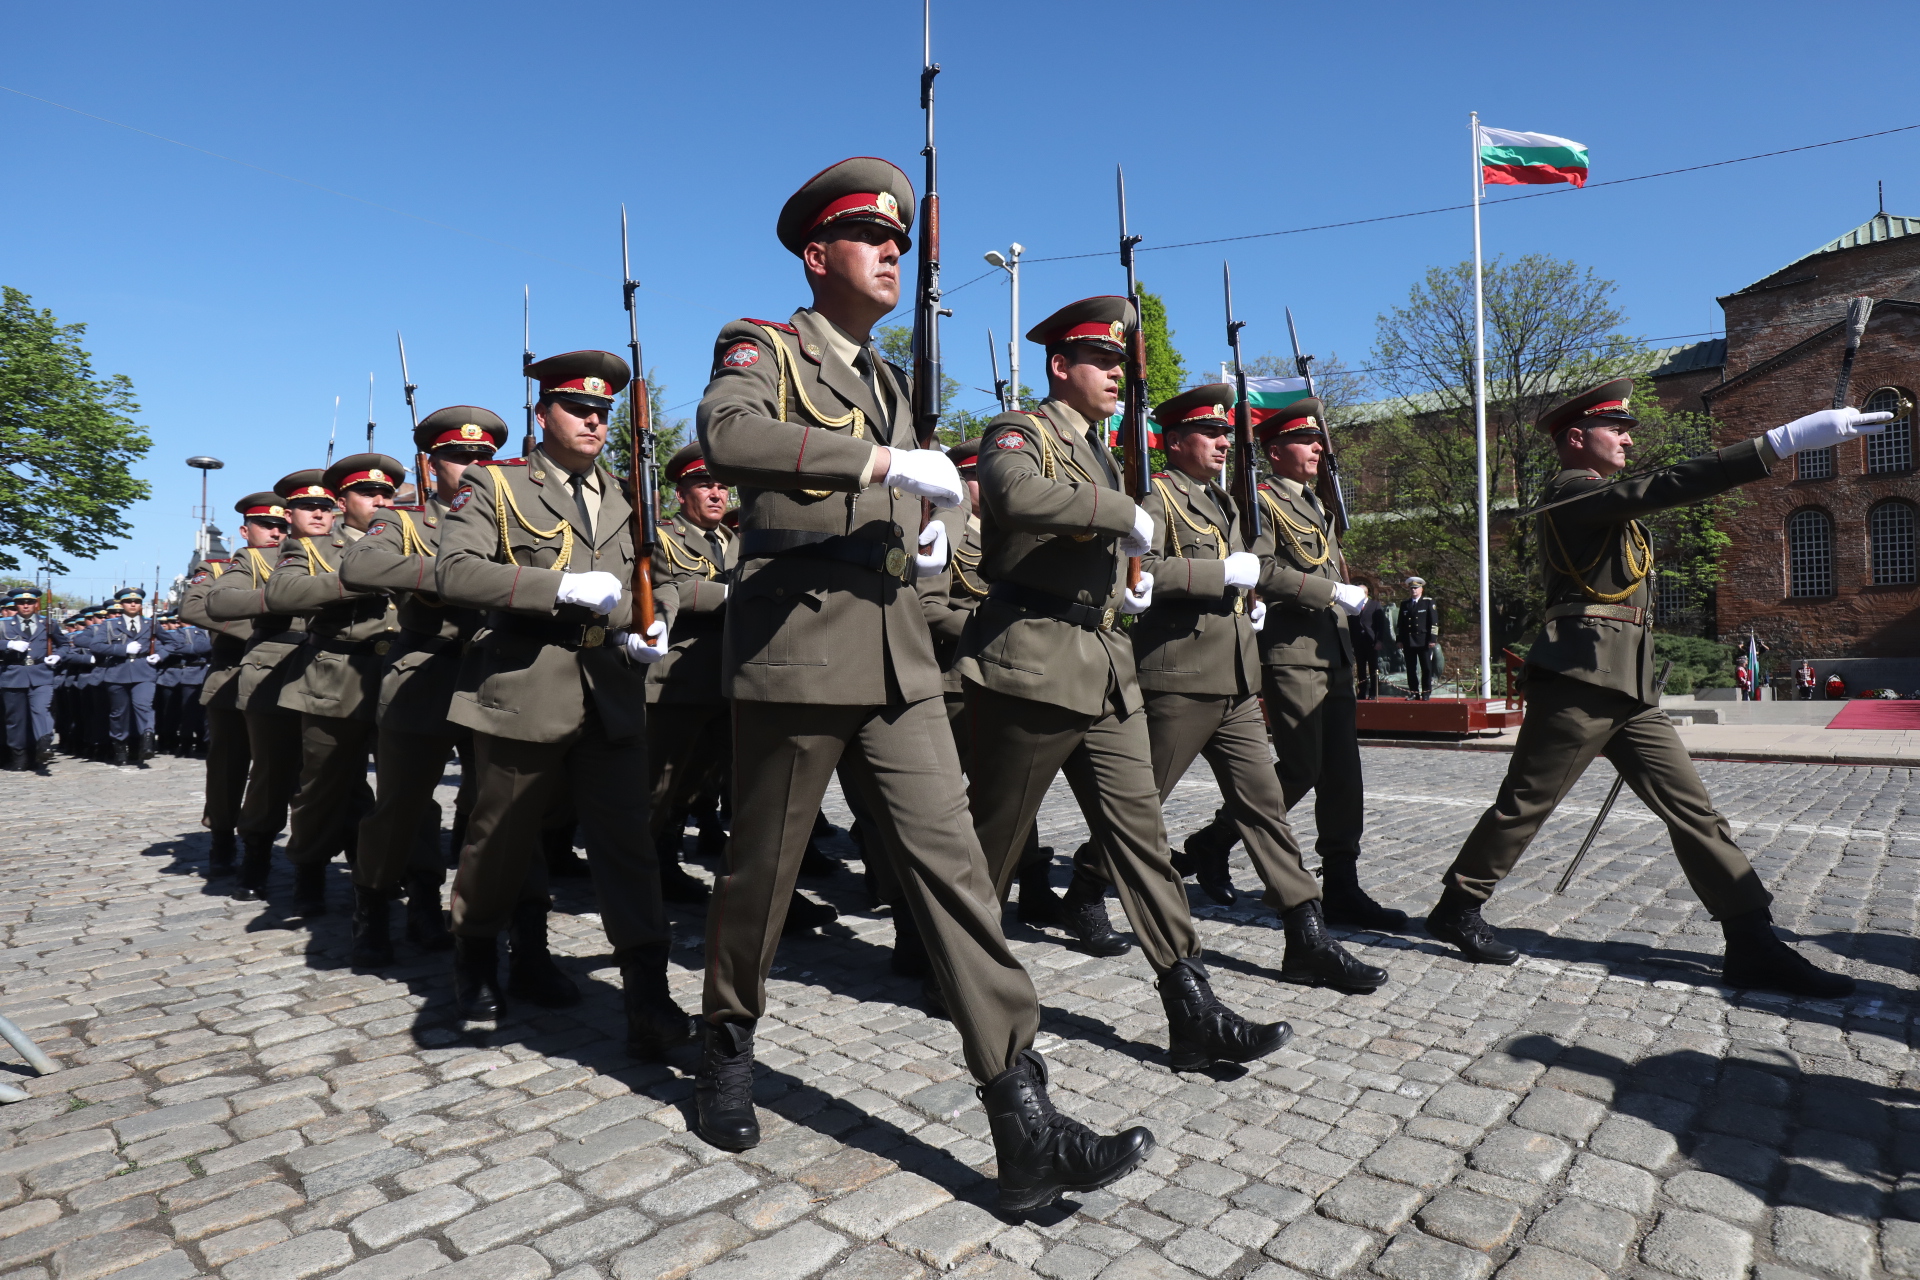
{"x":369,"y":411}
{"x":333,"y":430}
{"x":421,"y":460}
{"x":1331,"y":492}
{"x":999,"y":386}
{"x":526,"y":359}
{"x":1136,"y":460}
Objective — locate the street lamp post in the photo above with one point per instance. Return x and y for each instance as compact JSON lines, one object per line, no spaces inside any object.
{"x":203,"y":464}
{"x":1009,"y":262}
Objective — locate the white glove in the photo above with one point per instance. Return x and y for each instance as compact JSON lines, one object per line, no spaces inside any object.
{"x":1140,"y":541}
{"x":598,"y":591}
{"x":932,"y":555}
{"x":649,"y":649}
{"x":1349,"y":597}
{"x":18,"y":646}
{"x":1829,"y":426}
{"x":1138,"y":599}
{"x":133,"y":647}
{"x":1259,"y":614}
{"x":153,"y":659}
{"x":1243,"y":569}
{"x":51,"y":660}
{"x":925,"y":473}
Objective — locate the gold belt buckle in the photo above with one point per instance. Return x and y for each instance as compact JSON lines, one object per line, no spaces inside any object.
{"x":595,"y":637}
{"x":897,"y":562}
{"x":1239,"y":604}
{"x":1106,"y":620}
{"x":380,"y":647}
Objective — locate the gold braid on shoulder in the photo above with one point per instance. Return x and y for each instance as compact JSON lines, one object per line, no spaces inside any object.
{"x":504,"y":502}
{"x":1291,"y":529}
{"x":692,"y":561}
{"x":790,"y":376}
{"x":962,"y":563}
{"x":1166,"y":496}
{"x":1635,"y":551}
{"x":313,"y":554}
{"x":258,"y":563}
{"x":411,"y":544}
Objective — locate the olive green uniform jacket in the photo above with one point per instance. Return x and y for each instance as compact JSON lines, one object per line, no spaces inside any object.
{"x":685,"y":558}
{"x":241,"y":595}
{"x":948,"y":599}
{"x":1596,"y":560}
{"x":398,"y":556}
{"x":229,"y":640}
{"x":1300,"y":565}
{"x":348,"y":631}
{"x":822,"y":609}
{"x":513,"y":529}
{"x":1051,"y":515}
{"x":1197,"y":636}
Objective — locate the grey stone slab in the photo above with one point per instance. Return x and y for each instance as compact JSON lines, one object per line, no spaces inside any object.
{"x":1464,"y":1217}
{"x":1144,"y":1264}
{"x":414,"y":1258}
{"x":1321,"y":1247}
{"x":517,"y":1216}
{"x":1521,"y":1155}
{"x":1371,"y":1203}
{"x":1535,"y":1262}
{"x":514,"y":1262}
{"x":1600,"y":1235}
{"x":410,"y":1216}
{"x":793,"y":1253}
{"x":1697,"y":1247}
{"x":943,"y":1235}
{"x":1416,"y":1257}
{"x":295,"y":1259}
{"x":1826,"y":1244}
{"x":678,"y":1250}
{"x":1711,"y":1193}
{"x":604,"y":1232}
{"x":1420,"y":1164}
{"x":878,"y":1207}
{"x":1610,"y":1182}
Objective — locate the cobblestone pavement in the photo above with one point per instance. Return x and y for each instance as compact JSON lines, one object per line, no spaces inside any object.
{"x":237,"y":1102}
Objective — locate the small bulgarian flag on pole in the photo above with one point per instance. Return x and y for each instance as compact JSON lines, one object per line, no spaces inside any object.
{"x":1266,"y":396}
{"x":1513,"y":158}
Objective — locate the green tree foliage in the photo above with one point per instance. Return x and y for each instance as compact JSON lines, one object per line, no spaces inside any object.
{"x":1166,"y":368}
{"x":1697,"y":663}
{"x":1687,"y":541}
{"x":669,"y":435}
{"x":68,"y":442}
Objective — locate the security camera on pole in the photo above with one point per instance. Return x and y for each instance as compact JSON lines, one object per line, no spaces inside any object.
{"x":1009,"y":262}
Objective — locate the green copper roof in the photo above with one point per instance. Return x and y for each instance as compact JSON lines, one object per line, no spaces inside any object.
{"x":1881,"y":226}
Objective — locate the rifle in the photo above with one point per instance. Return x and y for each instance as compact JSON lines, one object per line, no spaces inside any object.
{"x":369,"y":411}
{"x":999,"y":383}
{"x":1136,"y":462}
{"x":1329,"y":486}
{"x":1244,"y":463}
{"x":333,"y":430}
{"x":526,"y":358}
{"x":641,"y":465}
{"x":1606,"y":806}
{"x":926,"y":309}
{"x":420,"y":459}
{"x":46,"y":612}
{"x":153,"y":615}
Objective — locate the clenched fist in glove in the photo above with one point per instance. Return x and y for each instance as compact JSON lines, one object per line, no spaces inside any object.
{"x":1829,"y":426}
{"x":18,"y":646}
{"x":1140,"y":541}
{"x":133,"y":647}
{"x":598,"y":591}
{"x":932,"y":555}
{"x":1259,"y":615}
{"x":1350,"y":598}
{"x":1243,"y":569}
{"x":925,"y":473}
{"x":52,"y":659}
{"x":648,"y":649}
{"x":1138,"y":599}
{"x":154,"y":659}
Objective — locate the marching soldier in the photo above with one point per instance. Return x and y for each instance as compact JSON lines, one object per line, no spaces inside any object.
{"x":29,"y":665}
{"x":1051,"y":684}
{"x":72,"y":714}
{"x":273,"y":731}
{"x":1418,"y":632}
{"x":126,"y":650}
{"x":335,"y":685}
{"x":830,"y":664}
{"x":1306,"y":656}
{"x":263,"y":527}
{"x":184,"y":653}
{"x":1590,"y":683}
{"x":422,"y":667}
{"x":555,"y":693}
{"x":1200,"y":673}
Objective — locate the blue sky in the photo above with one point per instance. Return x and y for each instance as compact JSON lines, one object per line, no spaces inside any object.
{"x":242,"y":303}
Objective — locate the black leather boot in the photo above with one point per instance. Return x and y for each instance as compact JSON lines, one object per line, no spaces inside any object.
{"x":712,"y":840}
{"x":255,"y":865}
{"x":16,"y":761}
{"x":426,"y":922}
{"x":1043,"y":1154}
{"x":1346,"y":903}
{"x":310,"y":889}
{"x":531,"y":973}
{"x":655,"y":1021}
{"x":476,"y":979}
{"x":675,"y":884}
{"x":909,"y":948}
{"x":1201,"y":1031}
{"x":372,"y":943}
{"x":723,"y":1088}
{"x":43,"y":756}
{"x":221,"y":853}
{"x":147,"y":749}
{"x":1758,"y":960}
{"x":1039,"y":904}
{"x":804,"y":915}
{"x":1205,"y":858}
{"x":1314,"y":959}
{"x":1083,"y":914}
{"x":815,"y":864}
{"x":1456,"y":918}
{"x":119,"y":755}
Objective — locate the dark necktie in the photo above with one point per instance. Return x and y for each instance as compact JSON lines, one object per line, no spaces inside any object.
{"x":580,"y":501}
{"x":719,"y":548}
{"x":865,"y":365}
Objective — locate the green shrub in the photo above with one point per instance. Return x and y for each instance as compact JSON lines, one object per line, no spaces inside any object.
{"x":1697,"y":663}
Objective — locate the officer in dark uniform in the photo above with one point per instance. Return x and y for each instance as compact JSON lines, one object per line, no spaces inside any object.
{"x":31,"y":650}
{"x":181,"y":720}
{"x":1590,"y":683}
{"x":1418,"y":631}
{"x":127,"y":649}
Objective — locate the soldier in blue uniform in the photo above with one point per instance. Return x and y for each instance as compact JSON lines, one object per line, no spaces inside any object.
{"x":125,"y":647}
{"x":70,"y":712}
{"x":181,"y":720}
{"x":29,"y":665}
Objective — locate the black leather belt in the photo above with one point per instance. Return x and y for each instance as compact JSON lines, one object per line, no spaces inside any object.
{"x":1234,"y":602}
{"x":889,"y":558}
{"x":1026,"y":598}
{"x":428,"y":641}
{"x":707,"y":620}
{"x":568,"y":635}
{"x":378,"y":645}
{"x":1628,"y":613}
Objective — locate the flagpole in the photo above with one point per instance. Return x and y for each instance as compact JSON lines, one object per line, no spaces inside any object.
{"x":1480,"y":420}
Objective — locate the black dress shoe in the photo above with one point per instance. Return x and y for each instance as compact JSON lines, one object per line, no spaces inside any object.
{"x":1043,"y":1154}
{"x":426,"y":922}
{"x":310,"y":889}
{"x":1347,"y":904}
{"x":1758,"y":960}
{"x":372,"y":944}
{"x":1314,"y":959}
{"x":805,"y":915}
{"x":655,"y":1022}
{"x":255,"y":866}
{"x":1039,"y":904}
{"x":677,"y":886}
{"x":1206,"y":853}
{"x":723,"y":1088}
{"x":909,"y":948}
{"x":222,"y":850}
{"x":531,"y":973}
{"x":1202,"y":1031}
{"x":1083,"y":914}
{"x":1456,"y":918}
{"x":476,"y":979}
{"x":815,"y":864}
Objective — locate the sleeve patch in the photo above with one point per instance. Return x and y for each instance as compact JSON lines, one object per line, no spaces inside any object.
{"x":461,"y":499}
{"x":199,"y":578}
{"x":1009,"y":440}
{"x":378,"y":528}
{"x":741,"y":355}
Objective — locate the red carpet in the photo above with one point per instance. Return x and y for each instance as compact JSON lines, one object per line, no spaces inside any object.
{"x":1877,"y":713}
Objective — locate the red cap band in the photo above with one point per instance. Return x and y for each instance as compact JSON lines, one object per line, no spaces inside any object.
{"x":465,"y":433}
{"x":880,"y":204}
{"x":697,"y":466}
{"x":311,"y":491}
{"x":278,"y":512}
{"x":1605,"y":406}
{"x":1113,"y":334}
{"x":1205,"y":411}
{"x":589,"y":385}
{"x":373,"y":476}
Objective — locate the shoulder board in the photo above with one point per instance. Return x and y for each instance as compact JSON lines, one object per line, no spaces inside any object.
{"x":666,"y":522}
{"x":504,"y":462}
{"x":772,"y":324}
{"x":1163,"y":475}
{"x":1265,"y":487}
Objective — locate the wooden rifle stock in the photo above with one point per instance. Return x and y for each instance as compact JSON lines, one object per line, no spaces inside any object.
{"x":641,"y":463}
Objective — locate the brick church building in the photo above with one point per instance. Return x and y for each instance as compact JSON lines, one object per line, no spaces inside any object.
{"x":1823,"y":555}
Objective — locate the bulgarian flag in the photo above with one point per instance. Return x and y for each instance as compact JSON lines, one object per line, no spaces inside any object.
{"x":1266,"y":395}
{"x":1513,"y":158}
{"x":1118,"y":422}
